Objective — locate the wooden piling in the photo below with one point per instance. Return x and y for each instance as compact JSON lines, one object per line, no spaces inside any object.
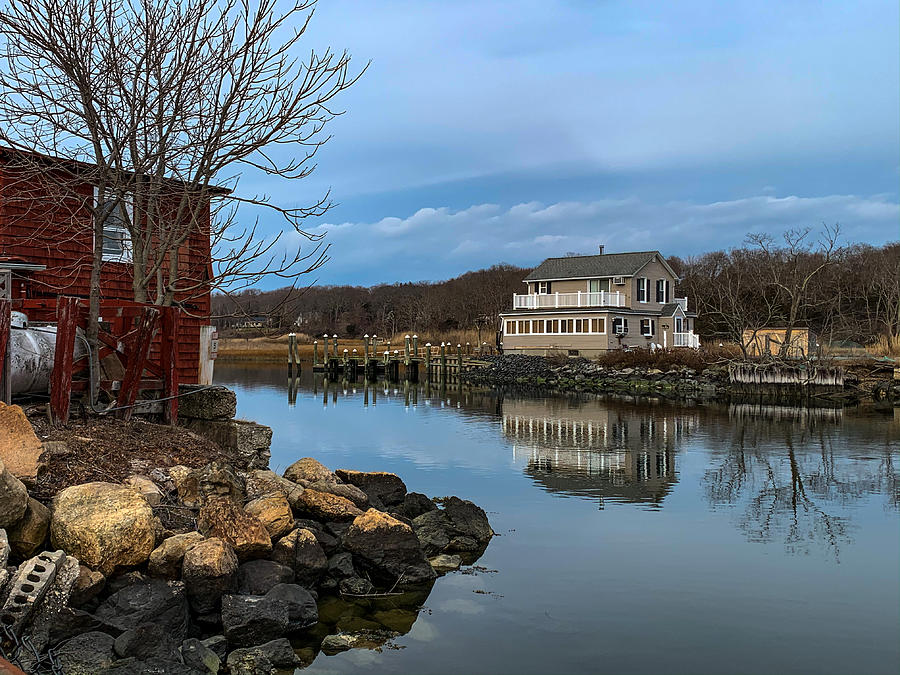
{"x":315,"y":353}
{"x":5,"y":322}
{"x":168,"y":361}
{"x":137,"y":359}
{"x":61,"y":376}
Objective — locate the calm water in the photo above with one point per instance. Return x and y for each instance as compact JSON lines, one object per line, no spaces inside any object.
{"x":637,"y":537}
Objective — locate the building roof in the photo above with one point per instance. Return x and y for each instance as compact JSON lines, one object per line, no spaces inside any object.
{"x":603,"y":265}
{"x":669,"y":309}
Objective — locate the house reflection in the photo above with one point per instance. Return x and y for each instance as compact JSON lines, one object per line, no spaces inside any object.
{"x":611,"y":453}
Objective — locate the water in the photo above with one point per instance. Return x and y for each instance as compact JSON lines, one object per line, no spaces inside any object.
{"x":636,"y":537}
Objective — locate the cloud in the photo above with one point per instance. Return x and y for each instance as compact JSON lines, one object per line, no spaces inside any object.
{"x":439,"y":242}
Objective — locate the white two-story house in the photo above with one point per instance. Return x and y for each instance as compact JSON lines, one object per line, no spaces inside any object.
{"x":590,"y":304}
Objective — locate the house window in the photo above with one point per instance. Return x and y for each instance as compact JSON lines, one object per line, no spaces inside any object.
{"x":597,"y":285}
{"x":620,"y":326}
{"x":579,"y":325}
{"x":510,"y":327}
{"x":647,"y":327}
{"x":116,"y":215}
{"x":642,"y":290}
{"x":543,"y":287}
{"x":662,"y":290}
{"x":537,"y":326}
{"x":679,"y":324}
{"x":555,"y":326}
{"x":598,"y":325}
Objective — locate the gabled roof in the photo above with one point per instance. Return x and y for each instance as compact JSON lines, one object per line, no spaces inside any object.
{"x":670,"y":308}
{"x":587,"y":266}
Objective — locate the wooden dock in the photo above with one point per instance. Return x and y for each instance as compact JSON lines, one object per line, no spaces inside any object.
{"x":411,"y":363}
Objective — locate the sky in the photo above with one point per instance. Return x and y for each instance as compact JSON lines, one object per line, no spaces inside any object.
{"x":494,"y":132}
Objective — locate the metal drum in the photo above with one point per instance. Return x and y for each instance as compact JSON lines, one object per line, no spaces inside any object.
{"x":31,"y":354}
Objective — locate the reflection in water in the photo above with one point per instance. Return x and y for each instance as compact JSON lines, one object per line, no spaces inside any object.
{"x":748,"y":506}
{"x":617,"y":453}
{"x":785,"y":481}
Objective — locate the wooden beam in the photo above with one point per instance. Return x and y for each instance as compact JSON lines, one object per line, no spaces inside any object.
{"x":168,"y":359}
{"x":137,"y":360}
{"x":5,"y":381}
{"x":61,"y":376}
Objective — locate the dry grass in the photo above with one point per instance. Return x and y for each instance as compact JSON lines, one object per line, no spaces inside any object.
{"x":698,"y":359}
{"x":885,"y":345}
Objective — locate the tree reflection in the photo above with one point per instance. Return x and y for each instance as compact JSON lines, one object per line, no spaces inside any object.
{"x":783,"y":478}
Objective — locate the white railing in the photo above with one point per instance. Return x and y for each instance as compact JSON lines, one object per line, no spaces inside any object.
{"x":577,"y":299}
{"x":686,"y":340}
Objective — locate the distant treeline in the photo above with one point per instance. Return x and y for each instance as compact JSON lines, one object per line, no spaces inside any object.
{"x":841,"y":293}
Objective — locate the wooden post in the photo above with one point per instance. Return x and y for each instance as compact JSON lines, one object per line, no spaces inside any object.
{"x":61,"y":377}
{"x":168,"y":358}
{"x":458,"y":358}
{"x":427,"y":360}
{"x":315,"y":353}
{"x":443,"y":360}
{"x":415,"y":346}
{"x":292,"y":339}
{"x":137,"y":359}
{"x":5,"y":380}
{"x":406,"y":343}
{"x":468,"y":349}
{"x":366,"y":347}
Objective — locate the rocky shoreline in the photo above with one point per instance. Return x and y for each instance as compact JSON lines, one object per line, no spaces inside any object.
{"x":221,"y":568}
{"x":710,"y":383}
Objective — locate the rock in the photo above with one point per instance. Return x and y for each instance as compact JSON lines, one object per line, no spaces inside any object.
{"x":257,"y":577}
{"x":415,"y":504}
{"x":431,"y":529}
{"x":166,"y":559}
{"x":326,"y":507}
{"x":196,"y":486}
{"x":302,"y":608}
{"x":361,"y":639}
{"x":104,"y":525}
{"x":29,"y":534}
{"x":247,"y":443}
{"x":150,"y":666}
{"x":274,"y":512}
{"x":86,"y":654}
{"x":464,"y":544}
{"x":155,"y":601}
{"x":263,"y":659}
{"x":87,"y":586}
{"x":252,"y":620}
{"x":261,"y":482}
{"x":359,"y":498}
{"x":13,"y":497}
{"x":301,"y":551}
{"x":468,"y":519}
{"x":20,"y":448}
{"x":218,"y":644}
{"x":146,"y":488}
{"x":200,"y":657}
{"x":71,"y":622}
{"x":387,"y":488}
{"x":388,"y":548}
{"x":148,"y":640}
{"x":309,"y":470}
{"x":206,"y":403}
{"x":209,"y":570}
{"x":220,"y":517}
{"x":356,"y":586}
{"x":445,"y":563}
{"x":186,"y":484}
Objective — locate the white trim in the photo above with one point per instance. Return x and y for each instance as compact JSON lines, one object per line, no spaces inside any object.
{"x":126,"y":256}
{"x":573,"y":319}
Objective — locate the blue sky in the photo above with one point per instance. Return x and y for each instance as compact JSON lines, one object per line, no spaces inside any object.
{"x":488,"y":132}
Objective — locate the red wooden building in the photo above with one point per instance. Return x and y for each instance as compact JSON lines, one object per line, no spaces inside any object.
{"x":46,"y":241}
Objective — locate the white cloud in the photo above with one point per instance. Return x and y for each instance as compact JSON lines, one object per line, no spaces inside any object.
{"x":439,"y":242}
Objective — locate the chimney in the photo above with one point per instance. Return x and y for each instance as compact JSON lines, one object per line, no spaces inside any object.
{"x":601,"y":249}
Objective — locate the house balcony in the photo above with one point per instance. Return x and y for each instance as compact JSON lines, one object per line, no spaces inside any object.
{"x":577,"y":299}
{"x":688,"y":339}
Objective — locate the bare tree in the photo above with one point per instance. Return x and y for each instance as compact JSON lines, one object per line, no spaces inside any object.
{"x":167,"y":102}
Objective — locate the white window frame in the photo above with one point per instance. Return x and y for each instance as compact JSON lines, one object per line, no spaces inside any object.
{"x":126,"y":256}
{"x":643,"y":289}
{"x":661,"y":282}
{"x":544,"y":326}
{"x":650,"y":326}
{"x":624,"y":323}
{"x":543,"y":288}
{"x":679,"y":324}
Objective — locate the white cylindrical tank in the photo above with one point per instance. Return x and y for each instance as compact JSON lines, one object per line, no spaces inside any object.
{"x":31,"y":355}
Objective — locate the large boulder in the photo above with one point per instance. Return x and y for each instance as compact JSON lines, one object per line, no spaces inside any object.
{"x":380,"y":486}
{"x":13,"y":497}
{"x":257,"y":577}
{"x":209,"y":570}
{"x":30,"y":533}
{"x":206,"y":403}
{"x":146,"y":488}
{"x":155,"y":601}
{"x":147,"y":641}
{"x":199,"y":656}
{"x":246,"y":443}
{"x":196,"y":486}
{"x":468,"y":519}
{"x":166,"y":559}
{"x":302,"y":608}
{"x":351,"y":492}
{"x":460,"y":526}
{"x":432,"y":529}
{"x":274,"y":512}
{"x":220,"y":517}
{"x":309,"y":470}
{"x":86,"y":654}
{"x":301,"y":551}
{"x":261,"y":482}
{"x":326,"y":507}
{"x":263,"y":659}
{"x":388,"y":548}
{"x":104,"y":525}
{"x":250,"y":620}
{"x":20,"y":448}
{"x":415,"y":504}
